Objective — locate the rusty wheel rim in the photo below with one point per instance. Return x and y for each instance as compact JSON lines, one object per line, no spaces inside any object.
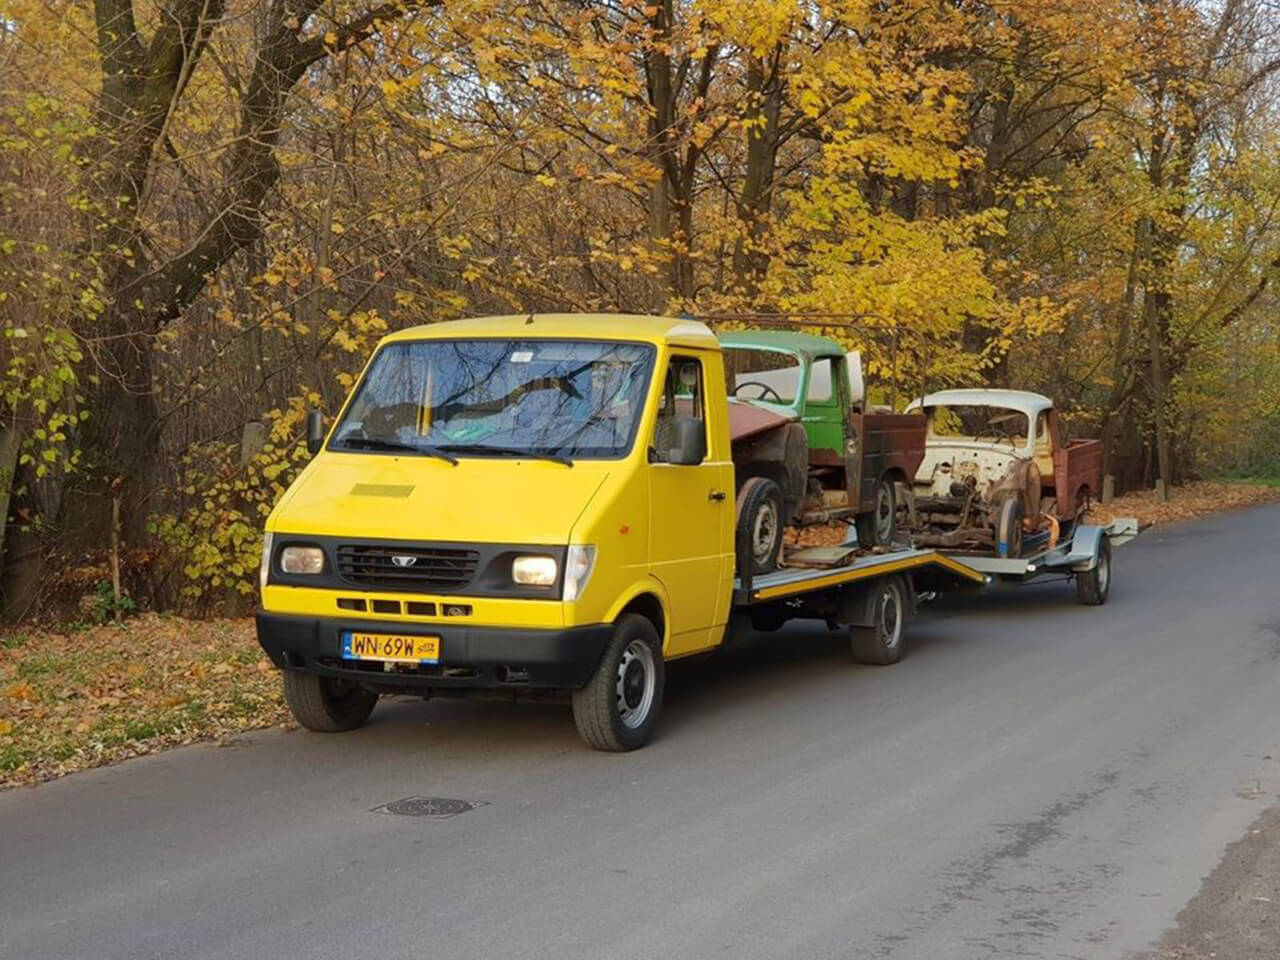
{"x":884,"y":515}
{"x":764,"y":532}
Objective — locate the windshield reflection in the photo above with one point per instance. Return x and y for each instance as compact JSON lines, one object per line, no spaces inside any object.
{"x":551,"y":398}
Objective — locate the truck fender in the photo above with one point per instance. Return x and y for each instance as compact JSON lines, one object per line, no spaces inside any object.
{"x":652,"y":587}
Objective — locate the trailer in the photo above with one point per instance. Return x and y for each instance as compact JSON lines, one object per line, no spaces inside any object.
{"x":1084,"y":557}
{"x":873,"y":596}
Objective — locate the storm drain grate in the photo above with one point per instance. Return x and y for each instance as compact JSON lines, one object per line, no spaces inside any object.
{"x":440,"y":808}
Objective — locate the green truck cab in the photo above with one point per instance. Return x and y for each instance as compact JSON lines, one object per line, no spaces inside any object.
{"x":807,"y":447}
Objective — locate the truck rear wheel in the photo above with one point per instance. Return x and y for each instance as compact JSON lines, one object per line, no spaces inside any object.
{"x":877,"y":528}
{"x":327,"y":704}
{"x":1092,"y":585}
{"x":759,"y":525}
{"x":881,"y":642}
{"x":618,"y":708}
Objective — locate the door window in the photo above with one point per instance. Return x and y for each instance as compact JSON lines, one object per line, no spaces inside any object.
{"x":819,"y":390}
{"x":682,"y":396}
{"x":1044,"y":438}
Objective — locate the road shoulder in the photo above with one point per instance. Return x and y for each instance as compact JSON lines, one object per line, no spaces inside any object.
{"x":1236,"y":914}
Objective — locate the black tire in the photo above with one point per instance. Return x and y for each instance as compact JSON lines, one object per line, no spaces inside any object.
{"x":881,"y":643}
{"x":767,"y":621}
{"x":758,"y":532}
{"x":326,"y":704}
{"x":880,"y":526}
{"x":1083,"y":500}
{"x":1092,"y":586}
{"x":1009,"y":527}
{"x":618,"y":708}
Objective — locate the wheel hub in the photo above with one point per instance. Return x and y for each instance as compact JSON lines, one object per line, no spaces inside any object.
{"x":636,"y":684}
{"x":633,"y":684}
{"x":890,"y":617}
{"x":884,"y":515}
{"x":764,"y":532}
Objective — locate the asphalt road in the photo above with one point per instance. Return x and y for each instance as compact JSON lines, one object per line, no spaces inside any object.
{"x":1035,"y":779}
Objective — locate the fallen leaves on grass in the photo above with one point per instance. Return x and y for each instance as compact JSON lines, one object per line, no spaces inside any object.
{"x":1192,"y":500}
{"x":75,"y":699}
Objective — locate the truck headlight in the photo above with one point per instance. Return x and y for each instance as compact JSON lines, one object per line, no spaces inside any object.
{"x":264,"y":567}
{"x":302,"y":560}
{"x":534,"y":571}
{"x":578,"y":564}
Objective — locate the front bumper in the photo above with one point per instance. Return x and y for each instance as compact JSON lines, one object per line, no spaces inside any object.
{"x":470,"y":657}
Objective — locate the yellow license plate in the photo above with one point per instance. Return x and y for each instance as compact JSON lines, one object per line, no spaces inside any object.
{"x":385,"y":646}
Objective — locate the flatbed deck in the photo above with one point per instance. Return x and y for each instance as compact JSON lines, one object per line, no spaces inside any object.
{"x":786,"y":583}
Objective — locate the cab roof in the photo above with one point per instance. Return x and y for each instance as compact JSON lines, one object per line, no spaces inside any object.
{"x":569,"y":326}
{"x":793,"y":342}
{"x":1021,"y":400}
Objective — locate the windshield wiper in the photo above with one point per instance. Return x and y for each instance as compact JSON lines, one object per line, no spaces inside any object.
{"x":373,"y":443}
{"x":481,"y":451}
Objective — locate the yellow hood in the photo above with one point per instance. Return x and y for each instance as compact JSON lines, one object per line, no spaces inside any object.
{"x":481,"y":500}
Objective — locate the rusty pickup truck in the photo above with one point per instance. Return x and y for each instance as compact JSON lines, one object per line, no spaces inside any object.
{"x":807,"y":449}
{"x":998,"y":469}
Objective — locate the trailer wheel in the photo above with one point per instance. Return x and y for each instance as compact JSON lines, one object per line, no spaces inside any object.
{"x":1093,"y":585}
{"x":1009,"y":527}
{"x":877,"y":528}
{"x":881,"y":643}
{"x":759,"y":525}
{"x":618,"y":708}
{"x":327,"y":704}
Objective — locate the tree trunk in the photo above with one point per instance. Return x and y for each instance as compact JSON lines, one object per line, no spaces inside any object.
{"x":23,"y":552}
{"x":1159,"y":398}
{"x":764,"y":109}
{"x":141,"y":86}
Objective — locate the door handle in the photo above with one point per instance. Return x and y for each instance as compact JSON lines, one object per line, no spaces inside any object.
{"x":716,"y":495}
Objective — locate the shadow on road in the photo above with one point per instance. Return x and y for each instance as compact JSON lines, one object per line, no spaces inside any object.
{"x":763,"y":666}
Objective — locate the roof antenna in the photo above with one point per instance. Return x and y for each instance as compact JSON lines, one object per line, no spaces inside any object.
{"x":529,"y":319}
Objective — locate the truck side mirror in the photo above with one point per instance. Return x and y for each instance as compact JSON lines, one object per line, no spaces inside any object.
{"x":315,"y":431}
{"x":853,"y":367}
{"x":689,"y":443}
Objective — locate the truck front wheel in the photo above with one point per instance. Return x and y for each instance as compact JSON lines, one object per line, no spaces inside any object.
{"x":618,"y":708}
{"x":759,"y":525}
{"x":327,"y":704}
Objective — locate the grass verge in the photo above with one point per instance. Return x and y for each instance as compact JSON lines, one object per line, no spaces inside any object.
{"x":71,"y":699}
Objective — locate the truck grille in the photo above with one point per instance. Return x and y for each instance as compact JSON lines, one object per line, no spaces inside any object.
{"x":407,"y":568}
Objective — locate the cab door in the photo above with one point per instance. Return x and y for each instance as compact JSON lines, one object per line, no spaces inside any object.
{"x":691,"y":509}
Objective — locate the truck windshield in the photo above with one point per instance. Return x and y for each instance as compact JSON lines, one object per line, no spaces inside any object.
{"x":759,"y":374}
{"x":999,"y":424}
{"x":557,"y":398}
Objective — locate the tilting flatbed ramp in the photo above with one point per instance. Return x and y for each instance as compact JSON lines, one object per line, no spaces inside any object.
{"x":781,"y":584}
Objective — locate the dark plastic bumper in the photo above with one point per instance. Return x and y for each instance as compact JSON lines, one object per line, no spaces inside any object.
{"x":470,"y":657}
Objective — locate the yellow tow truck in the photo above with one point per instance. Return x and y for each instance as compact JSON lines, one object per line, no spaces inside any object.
{"x":541,"y":502}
